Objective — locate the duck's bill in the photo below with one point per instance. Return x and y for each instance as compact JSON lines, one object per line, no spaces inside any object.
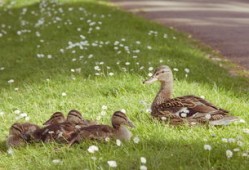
{"x":131,"y":124}
{"x":150,"y":80}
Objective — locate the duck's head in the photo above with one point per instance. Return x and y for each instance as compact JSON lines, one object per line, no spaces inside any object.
{"x":162,"y":74}
{"x":119,"y":118}
{"x":75,"y":117}
{"x":57,"y":117}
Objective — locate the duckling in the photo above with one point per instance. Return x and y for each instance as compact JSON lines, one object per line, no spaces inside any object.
{"x":59,"y":129}
{"x":186,"y":109}
{"x":59,"y":132}
{"x":56,"y":117}
{"x":101,"y":132}
{"x":76,"y":118}
{"x":18,"y":134}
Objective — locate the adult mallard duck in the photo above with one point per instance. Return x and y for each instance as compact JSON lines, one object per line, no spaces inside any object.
{"x":186,"y":109}
{"x":101,"y":132}
{"x":18,"y":134}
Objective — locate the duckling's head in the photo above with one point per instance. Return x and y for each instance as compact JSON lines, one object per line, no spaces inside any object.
{"x":119,"y":118}
{"x":162,"y":74}
{"x":75,"y":117}
{"x":57,"y":117}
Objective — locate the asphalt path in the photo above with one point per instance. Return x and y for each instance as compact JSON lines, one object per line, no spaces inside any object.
{"x":222,"y":24}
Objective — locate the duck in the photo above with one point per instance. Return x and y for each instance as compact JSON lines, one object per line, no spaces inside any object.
{"x":56,"y":118}
{"x":59,"y":132}
{"x":102,"y":132}
{"x":59,"y":129}
{"x":18,"y":134}
{"x":188,"y":109}
{"x":75,"y":117}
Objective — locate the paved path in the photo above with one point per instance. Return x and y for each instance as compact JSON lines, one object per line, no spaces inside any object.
{"x":222,"y":24}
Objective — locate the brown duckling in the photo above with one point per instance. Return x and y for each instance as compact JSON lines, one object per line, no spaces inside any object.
{"x":56,"y":117}
{"x":18,"y":133}
{"x":76,"y":118}
{"x":59,"y":132}
{"x":101,"y":132}
{"x":60,"y":129}
{"x":186,"y":109}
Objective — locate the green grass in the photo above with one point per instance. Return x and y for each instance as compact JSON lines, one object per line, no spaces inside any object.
{"x":41,"y":82}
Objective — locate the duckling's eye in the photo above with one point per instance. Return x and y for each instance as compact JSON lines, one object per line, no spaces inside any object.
{"x":157,"y":74}
{"x":163,"y":72}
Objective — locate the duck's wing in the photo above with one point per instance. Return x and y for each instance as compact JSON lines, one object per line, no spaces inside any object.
{"x":192,"y":107}
{"x":91,"y":122}
{"x":94,"y":132}
{"x":203,"y":101}
{"x":53,"y":133}
{"x":29,"y":128}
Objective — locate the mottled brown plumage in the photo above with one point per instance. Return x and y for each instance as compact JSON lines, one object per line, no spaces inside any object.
{"x":18,"y":133}
{"x":186,"y":109}
{"x":76,"y":118}
{"x":59,"y":132}
{"x":59,"y":129}
{"x":101,"y":132}
{"x":56,"y":117}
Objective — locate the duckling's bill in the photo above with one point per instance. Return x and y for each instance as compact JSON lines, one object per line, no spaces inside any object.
{"x":129,"y":123}
{"x":150,"y":80}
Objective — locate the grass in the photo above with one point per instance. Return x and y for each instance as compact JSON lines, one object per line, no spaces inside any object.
{"x":39,"y":83}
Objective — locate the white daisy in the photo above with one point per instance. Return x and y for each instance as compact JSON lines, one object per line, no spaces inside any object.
{"x":10,"y":151}
{"x":136,"y":139}
{"x":112,"y":164}
{"x":187,"y":70}
{"x":57,"y":161}
{"x":229,"y":154}
{"x":111,"y":74}
{"x":150,"y":68}
{"x":143,"y":167}
{"x":207,"y":147}
{"x":118,"y":142}
{"x":150,"y":74}
{"x":225,"y":140}
{"x":93,"y":149}
{"x":104,"y":107}
{"x":123,"y":110}
{"x":11,"y":81}
{"x":246,"y":131}
{"x":143,"y":160}
{"x":175,"y":69}
{"x":1,"y":113}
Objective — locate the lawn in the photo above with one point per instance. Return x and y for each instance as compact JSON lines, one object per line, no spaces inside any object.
{"x":87,"y":54}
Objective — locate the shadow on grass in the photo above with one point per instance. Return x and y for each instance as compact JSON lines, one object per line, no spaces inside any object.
{"x":160,"y":154}
{"x":19,"y":52}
